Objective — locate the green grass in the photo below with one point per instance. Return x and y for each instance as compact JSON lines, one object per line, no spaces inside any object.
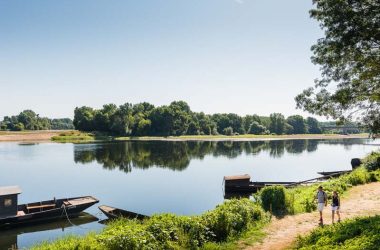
{"x":216,"y":229}
{"x":359,"y":233}
{"x":73,"y":136}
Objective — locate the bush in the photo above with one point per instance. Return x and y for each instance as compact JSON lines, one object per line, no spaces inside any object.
{"x":228,"y":131}
{"x":168,"y":231}
{"x":372,"y":161}
{"x":232,"y":218}
{"x":359,"y":233}
{"x":273,"y":199}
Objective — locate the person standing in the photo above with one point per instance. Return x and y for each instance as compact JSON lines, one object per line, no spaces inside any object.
{"x":321,"y":198}
{"x":335,"y":205}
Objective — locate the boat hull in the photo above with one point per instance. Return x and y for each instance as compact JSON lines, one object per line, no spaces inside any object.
{"x":60,"y":211}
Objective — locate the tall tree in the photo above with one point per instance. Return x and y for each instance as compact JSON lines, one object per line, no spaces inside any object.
{"x":298,"y":124}
{"x":349,"y":56}
{"x":83,"y":118}
{"x":313,"y":126}
{"x":277,"y":123}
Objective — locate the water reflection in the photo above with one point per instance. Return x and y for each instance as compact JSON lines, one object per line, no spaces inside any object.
{"x":9,"y":238}
{"x":177,"y":155}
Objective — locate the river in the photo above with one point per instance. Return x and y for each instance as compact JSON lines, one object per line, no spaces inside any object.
{"x":156,"y":176}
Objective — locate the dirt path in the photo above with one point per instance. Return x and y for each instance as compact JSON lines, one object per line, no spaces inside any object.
{"x":281,"y":233}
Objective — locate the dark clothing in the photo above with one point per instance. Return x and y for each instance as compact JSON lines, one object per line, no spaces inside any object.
{"x":335,"y":201}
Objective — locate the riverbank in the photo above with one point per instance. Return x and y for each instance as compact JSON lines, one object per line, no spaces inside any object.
{"x":237,"y":224}
{"x":29,"y":136}
{"x":75,"y":136}
{"x":282,"y":233}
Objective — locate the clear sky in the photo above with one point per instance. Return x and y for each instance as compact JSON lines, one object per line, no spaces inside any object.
{"x":240,"y":56}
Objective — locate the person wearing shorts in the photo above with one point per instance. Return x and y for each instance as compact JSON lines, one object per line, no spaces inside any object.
{"x":321,"y":198}
{"x":335,"y":205}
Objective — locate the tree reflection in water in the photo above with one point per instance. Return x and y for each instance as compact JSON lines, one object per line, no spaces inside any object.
{"x":176,"y":155}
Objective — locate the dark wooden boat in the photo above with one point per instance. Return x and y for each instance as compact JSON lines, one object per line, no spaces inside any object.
{"x":334,"y":173}
{"x":243,"y":184}
{"x":9,"y":238}
{"x":12,"y":214}
{"x":113,"y":213}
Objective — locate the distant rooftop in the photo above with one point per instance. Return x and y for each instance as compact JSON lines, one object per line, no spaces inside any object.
{"x":10,"y":190}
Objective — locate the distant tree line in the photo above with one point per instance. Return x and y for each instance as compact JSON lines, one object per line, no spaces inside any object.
{"x":29,"y":120}
{"x":176,"y":119}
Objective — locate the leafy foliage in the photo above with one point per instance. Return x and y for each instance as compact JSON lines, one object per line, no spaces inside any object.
{"x":358,"y":233}
{"x":168,"y":231}
{"x":372,"y":161}
{"x":273,"y":199}
{"x":177,"y":119}
{"x":29,"y":120}
{"x":349,"y":56}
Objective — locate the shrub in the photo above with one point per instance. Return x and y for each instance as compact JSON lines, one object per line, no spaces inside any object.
{"x":232,"y":218}
{"x":372,"y":161}
{"x":168,"y":231}
{"x":228,"y":131}
{"x":359,"y":233}
{"x":273,"y":198}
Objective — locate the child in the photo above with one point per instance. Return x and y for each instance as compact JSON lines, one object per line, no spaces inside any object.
{"x":335,"y":205}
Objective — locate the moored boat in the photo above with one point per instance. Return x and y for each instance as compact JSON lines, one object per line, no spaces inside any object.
{"x":113,"y":213}
{"x":12,"y":214}
{"x":334,"y":173}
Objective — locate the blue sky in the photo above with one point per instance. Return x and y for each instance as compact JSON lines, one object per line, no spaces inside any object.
{"x":240,"y":56}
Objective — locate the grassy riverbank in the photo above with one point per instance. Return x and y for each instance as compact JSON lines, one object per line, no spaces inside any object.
{"x":73,"y":136}
{"x":168,"y":231}
{"x":222,"y":228}
{"x":358,"y":233}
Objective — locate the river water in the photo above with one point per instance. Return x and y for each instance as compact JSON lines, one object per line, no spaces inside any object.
{"x":156,"y":176}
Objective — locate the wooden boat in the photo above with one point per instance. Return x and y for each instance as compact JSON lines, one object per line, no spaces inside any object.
{"x":334,"y":173}
{"x":12,"y":214}
{"x":10,"y":237}
{"x":113,"y":213}
{"x":243,"y":183}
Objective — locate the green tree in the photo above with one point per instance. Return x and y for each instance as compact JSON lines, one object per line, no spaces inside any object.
{"x":313,"y":126}
{"x":83,"y":118}
{"x":277,"y":123}
{"x":122,"y":120}
{"x":248,"y":120}
{"x":228,"y":131}
{"x":102,"y":118}
{"x":257,"y":129}
{"x":349,"y":58}
{"x":298,"y":124}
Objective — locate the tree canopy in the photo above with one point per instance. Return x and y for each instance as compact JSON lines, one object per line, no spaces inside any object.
{"x":175,"y":119}
{"x":349,"y":59}
{"x":30,"y":120}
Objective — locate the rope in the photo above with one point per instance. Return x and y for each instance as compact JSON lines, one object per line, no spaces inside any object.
{"x":68,"y":219}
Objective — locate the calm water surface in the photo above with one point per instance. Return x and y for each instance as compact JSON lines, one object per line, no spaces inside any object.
{"x":155,"y":177}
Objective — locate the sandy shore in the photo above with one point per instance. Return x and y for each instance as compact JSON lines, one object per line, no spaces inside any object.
{"x":46,"y":135}
{"x":30,"y":136}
